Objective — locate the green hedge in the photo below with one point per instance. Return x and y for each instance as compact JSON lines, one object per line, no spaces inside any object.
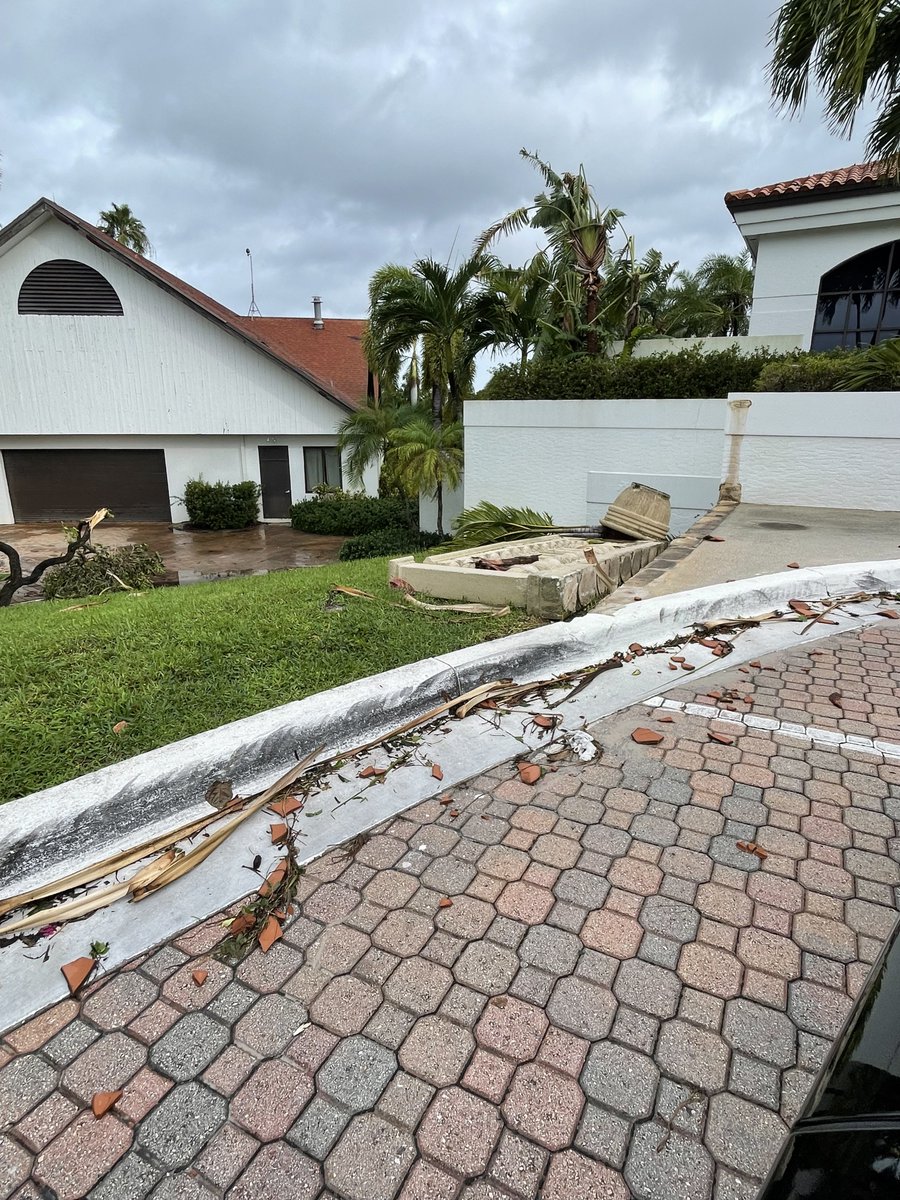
{"x":100,"y":568}
{"x":222,"y":505}
{"x":347,"y":516}
{"x":816,"y":373}
{"x":688,"y":374}
{"x":385,"y":542}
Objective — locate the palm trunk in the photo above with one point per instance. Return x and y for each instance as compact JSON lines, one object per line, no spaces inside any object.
{"x":592,"y":342}
{"x":440,"y":509}
{"x":436,"y":405}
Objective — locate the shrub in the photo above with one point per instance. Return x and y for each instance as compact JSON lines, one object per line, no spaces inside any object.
{"x":98,"y":569}
{"x":819,"y":373}
{"x":347,"y":516}
{"x":222,"y":505}
{"x":687,"y":374}
{"x":384,"y":542}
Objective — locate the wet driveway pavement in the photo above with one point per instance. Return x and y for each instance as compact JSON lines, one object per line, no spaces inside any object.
{"x":191,"y":556}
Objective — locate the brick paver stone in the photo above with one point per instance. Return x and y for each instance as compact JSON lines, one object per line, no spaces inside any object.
{"x":648,"y":988}
{"x":571,"y":1174}
{"x":459,"y":1132}
{"x":682,"y":1170}
{"x":279,"y":1170}
{"x":612,"y":933}
{"x":270,"y":1100}
{"x":486,"y":967}
{"x":760,"y":1031}
{"x":177,"y":1129}
{"x":518,"y":1165}
{"x":743,"y":1135}
{"x":620,"y":1079}
{"x":694,"y":1055}
{"x":418,"y":986}
{"x":185,"y":1051}
{"x":437,"y":1051}
{"x":24,"y":1083}
{"x":581,"y":1007}
{"x":357,"y":1073}
{"x":345,"y":1005}
{"x":82,"y":1155}
{"x":543,"y":1105}
{"x":511,"y":1028}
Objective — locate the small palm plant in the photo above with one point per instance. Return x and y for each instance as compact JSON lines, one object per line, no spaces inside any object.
{"x":429,"y":458}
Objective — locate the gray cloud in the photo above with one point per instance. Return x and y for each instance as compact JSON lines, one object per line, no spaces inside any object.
{"x":334,"y":137}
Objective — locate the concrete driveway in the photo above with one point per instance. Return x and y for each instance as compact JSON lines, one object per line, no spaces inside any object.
{"x":191,"y":556}
{"x":762,"y":538}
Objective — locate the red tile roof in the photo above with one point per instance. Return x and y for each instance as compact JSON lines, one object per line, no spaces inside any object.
{"x":333,"y":354}
{"x":860,"y":177}
{"x":330,"y":359}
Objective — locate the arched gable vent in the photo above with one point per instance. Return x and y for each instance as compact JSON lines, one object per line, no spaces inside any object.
{"x":68,"y":288}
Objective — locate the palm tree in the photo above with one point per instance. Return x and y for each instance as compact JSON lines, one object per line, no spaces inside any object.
{"x":428,"y":456}
{"x":428,"y":306}
{"x":635,"y":292}
{"x":578,"y":233}
{"x":516,"y":311}
{"x":713,"y":301}
{"x":119,"y":222}
{"x":727,"y":282}
{"x":365,"y":437}
{"x":849,"y":50}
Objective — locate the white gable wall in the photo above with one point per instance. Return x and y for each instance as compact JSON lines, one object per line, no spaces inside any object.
{"x":162,"y":368}
{"x":162,"y":376}
{"x":796,"y":243}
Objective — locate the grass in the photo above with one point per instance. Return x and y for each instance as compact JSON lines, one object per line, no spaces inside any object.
{"x":176,"y":661}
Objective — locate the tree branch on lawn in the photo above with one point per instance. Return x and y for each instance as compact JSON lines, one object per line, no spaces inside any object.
{"x":17,"y":578}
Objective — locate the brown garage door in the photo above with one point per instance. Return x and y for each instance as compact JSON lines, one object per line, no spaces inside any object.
{"x":68,"y":485}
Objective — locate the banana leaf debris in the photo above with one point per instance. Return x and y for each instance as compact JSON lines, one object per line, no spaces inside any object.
{"x":259,"y":921}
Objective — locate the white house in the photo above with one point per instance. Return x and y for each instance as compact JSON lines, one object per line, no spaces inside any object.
{"x":827,"y":254}
{"x":121,"y":382}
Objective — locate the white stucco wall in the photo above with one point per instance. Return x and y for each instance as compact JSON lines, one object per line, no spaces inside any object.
{"x":819,"y":449}
{"x":775,"y":342}
{"x":796,"y":243}
{"x":230,"y":459}
{"x":570,"y":457}
{"x":160,"y":369}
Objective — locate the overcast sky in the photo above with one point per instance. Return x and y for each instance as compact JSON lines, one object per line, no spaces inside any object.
{"x":332,"y":136}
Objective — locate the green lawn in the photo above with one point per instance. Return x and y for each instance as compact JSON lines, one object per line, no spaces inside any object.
{"x":175,"y":661}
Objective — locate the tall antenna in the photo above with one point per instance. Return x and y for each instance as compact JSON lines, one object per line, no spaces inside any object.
{"x":253,"y":311}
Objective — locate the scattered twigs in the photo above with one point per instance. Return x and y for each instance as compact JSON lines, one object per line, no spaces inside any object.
{"x":679,"y":1108}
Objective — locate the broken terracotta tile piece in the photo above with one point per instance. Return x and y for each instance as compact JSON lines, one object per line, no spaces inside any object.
{"x":102,"y":1102}
{"x":269,"y":935}
{"x":529,"y":773}
{"x":200,"y":977}
{"x":77,"y":971}
{"x":646,"y":737}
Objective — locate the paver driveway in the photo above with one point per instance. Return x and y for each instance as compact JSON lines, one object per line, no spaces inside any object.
{"x":619,"y":1001}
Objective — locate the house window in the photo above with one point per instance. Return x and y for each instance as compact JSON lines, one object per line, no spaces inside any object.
{"x":63,"y":287}
{"x":322,"y":464}
{"x":859,"y":300}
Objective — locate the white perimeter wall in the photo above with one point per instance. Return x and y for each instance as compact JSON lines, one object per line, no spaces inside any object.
{"x":820,"y":449}
{"x":571,"y":457}
{"x":230,"y":459}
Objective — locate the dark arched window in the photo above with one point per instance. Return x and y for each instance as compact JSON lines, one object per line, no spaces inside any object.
{"x":859,"y":300}
{"x":68,"y":288}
